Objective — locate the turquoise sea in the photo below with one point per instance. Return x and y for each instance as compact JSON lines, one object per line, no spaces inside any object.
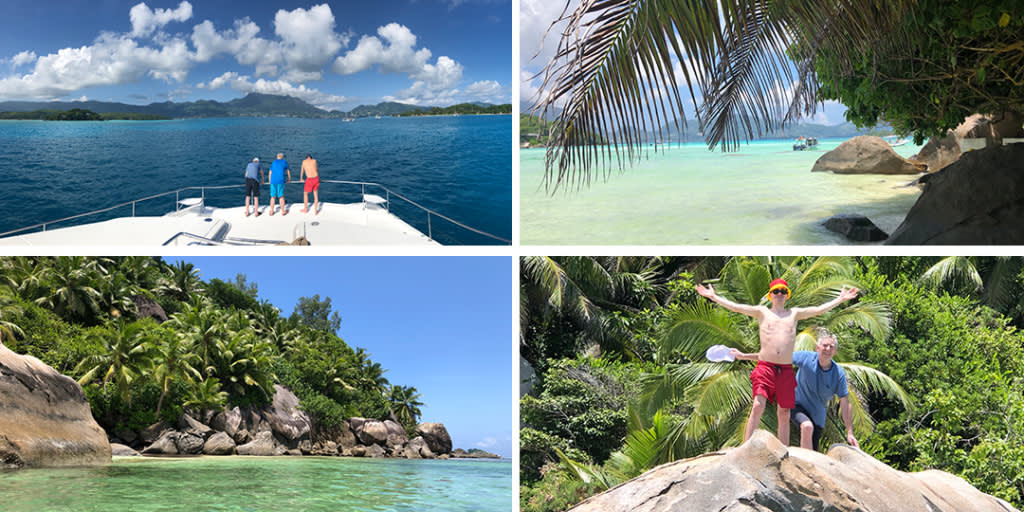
{"x":265,"y":484}
{"x":460,"y":166}
{"x":763,"y":194}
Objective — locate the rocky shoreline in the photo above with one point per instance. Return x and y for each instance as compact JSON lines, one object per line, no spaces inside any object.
{"x":281,"y":428}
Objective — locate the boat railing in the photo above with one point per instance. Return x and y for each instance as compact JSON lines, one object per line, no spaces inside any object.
{"x":202,"y":196}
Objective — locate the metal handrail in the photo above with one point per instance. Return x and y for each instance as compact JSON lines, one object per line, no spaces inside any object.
{"x":203,"y":189}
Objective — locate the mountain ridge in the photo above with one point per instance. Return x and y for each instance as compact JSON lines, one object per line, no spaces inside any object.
{"x":251,"y":105}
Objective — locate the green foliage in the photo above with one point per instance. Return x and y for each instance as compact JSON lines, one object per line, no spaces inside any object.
{"x":316,"y":314}
{"x":557,"y":490}
{"x":229,"y":295}
{"x":461,"y":108}
{"x":580,"y":410}
{"x":958,"y":58}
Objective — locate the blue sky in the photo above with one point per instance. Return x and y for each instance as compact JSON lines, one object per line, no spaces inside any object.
{"x":446,"y":325}
{"x":335,"y":55}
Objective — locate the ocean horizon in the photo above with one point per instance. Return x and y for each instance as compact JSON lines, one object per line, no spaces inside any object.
{"x":684,"y":194}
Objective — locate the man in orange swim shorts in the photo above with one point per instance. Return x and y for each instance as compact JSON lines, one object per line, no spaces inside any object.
{"x":312,"y":174}
{"x":774,"y":379}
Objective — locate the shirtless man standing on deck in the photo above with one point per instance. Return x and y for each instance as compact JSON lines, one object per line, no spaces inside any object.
{"x":774,"y":378}
{"x":312,"y":184}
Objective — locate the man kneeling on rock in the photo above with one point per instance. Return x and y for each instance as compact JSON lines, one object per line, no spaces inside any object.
{"x":818,"y":379}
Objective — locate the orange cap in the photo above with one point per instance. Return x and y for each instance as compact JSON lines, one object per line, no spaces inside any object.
{"x":779,"y":283}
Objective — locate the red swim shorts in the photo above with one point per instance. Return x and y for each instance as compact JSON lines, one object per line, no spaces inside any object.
{"x":312,"y":184}
{"x":776,"y":382}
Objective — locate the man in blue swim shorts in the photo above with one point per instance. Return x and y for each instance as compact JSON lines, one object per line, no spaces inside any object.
{"x":280,"y":174}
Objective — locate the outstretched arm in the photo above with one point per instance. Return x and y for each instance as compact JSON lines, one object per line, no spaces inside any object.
{"x":745,"y":309}
{"x":844,"y":295}
{"x":847,"y":412}
{"x":740,"y":355}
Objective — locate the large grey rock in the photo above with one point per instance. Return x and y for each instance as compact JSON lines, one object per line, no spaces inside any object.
{"x":219,"y":444}
{"x":345,"y":438}
{"x":189,"y":425}
{"x":375,"y":451}
{"x":121,"y":450}
{"x":864,"y":154}
{"x":285,"y":418}
{"x":763,"y":475}
{"x":166,"y":444}
{"x":979,"y":200}
{"x":45,"y":419}
{"x":149,"y":308}
{"x":190,"y":444}
{"x":229,"y":422}
{"x":418,"y":449}
{"x":372,"y":432}
{"x":263,"y":444}
{"x":855,"y":227}
{"x":436,"y":436}
{"x":396,"y":436}
{"x":154,"y":431}
{"x":938,"y":152}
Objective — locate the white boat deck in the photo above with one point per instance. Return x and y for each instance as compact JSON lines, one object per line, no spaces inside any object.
{"x":336,"y":224}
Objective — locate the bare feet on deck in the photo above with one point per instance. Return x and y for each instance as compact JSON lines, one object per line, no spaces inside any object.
{"x":304,"y":210}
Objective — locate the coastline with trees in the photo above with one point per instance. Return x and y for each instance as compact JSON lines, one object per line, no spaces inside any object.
{"x":152,"y":344}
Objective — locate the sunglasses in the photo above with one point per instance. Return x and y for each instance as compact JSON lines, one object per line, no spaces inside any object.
{"x":780,"y":291}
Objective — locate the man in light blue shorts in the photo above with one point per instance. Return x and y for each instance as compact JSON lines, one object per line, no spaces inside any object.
{"x":819,"y":378}
{"x":280,"y":174}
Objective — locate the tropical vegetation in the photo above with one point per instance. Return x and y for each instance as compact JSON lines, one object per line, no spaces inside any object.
{"x":102,"y":321}
{"x":932,"y":351}
{"x":754,"y":66}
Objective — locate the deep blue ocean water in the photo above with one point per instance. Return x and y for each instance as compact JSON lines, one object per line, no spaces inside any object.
{"x":460,"y":167}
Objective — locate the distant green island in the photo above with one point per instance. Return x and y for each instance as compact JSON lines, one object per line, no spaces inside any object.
{"x":77,"y":114}
{"x":252,"y":105}
{"x":460,"y":109}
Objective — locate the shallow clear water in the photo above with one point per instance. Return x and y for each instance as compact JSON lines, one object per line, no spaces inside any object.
{"x":460,"y":167}
{"x":764,"y":194}
{"x":265,"y":484}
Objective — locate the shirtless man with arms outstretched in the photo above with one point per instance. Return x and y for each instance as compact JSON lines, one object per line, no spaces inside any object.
{"x":774,"y":378}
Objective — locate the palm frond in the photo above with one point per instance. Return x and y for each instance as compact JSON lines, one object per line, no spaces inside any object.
{"x":691,"y":330}
{"x":875,"y":318}
{"x":957,"y":272}
{"x":866,"y":379}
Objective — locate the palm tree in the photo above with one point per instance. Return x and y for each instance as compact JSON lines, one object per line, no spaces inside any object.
{"x":203,"y":326}
{"x":173,"y":359}
{"x":240,"y":360}
{"x":205,"y":395}
{"x":616,"y":73}
{"x":125,"y":356}
{"x":181,"y":282}
{"x":9,"y":308}
{"x":27,"y":276}
{"x":587,"y":292}
{"x":718,"y":395}
{"x":405,"y":403}
{"x":73,"y":281}
{"x":992,"y":279}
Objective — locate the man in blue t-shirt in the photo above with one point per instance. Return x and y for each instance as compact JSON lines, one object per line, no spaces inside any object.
{"x":818,"y":378}
{"x":280,"y":174}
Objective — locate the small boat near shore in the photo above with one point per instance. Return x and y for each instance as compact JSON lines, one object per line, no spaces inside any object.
{"x":895,"y":141}
{"x":804,"y":143}
{"x":193,"y":222}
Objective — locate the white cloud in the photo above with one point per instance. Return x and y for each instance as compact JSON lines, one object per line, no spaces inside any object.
{"x":112,"y":59}
{"x":487,"y":442}
{"x":486,"y":90}
{"x":535,"y":17}
{"x":397,"y":56}
{"x":308,"y":38}
{"x":242,"y":83}
{"x":145,"y":20}
{"x":25,"y":57}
